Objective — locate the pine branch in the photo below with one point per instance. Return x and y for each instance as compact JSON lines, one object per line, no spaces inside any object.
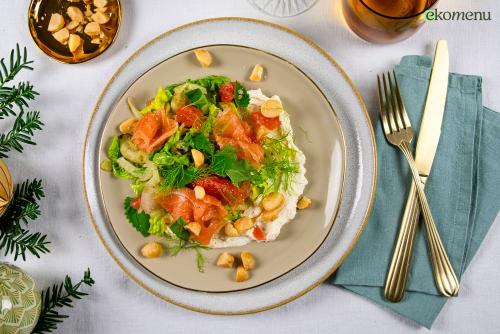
{"x":23,"y":205}
{"x":17,"y":95}
{"x":17,"y":62}
{"x":21,"y":133}
{"x":14,"y":239}
{"x":18,"y":242}
{"x":58,"y":296}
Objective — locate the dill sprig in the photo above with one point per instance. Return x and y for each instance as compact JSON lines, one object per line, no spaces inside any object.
{"x":58,"y":296}
{"x":175,"y":245}
{"x":280,"y":165}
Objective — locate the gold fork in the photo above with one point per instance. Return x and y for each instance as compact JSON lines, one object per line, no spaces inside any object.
{"x":398,"y":132}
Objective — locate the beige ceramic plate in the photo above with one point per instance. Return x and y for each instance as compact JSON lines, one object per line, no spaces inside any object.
{"x":317,"y":133}
{"x":360,"y":160}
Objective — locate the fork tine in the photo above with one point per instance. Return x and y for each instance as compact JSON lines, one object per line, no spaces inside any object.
{"x":383,"y":111}
{"x":395,"y":104}
{"x":390,"y":112}
{"x":406,"y":119}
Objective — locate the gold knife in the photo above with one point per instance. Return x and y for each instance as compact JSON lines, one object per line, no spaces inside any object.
{"x":428,"y":139}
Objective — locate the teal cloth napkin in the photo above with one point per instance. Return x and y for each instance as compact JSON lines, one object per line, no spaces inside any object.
{"x":463,"y":191}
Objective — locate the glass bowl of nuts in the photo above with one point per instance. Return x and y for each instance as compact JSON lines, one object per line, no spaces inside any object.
{"x":74,"y":31}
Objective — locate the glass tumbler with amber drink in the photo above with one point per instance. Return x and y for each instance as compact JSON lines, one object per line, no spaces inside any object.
{"x":385,"y":21}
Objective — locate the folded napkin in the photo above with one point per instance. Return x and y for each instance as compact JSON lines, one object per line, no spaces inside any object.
{"x":463,"y":190}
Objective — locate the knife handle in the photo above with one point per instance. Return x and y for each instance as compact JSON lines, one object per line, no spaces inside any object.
{"x":397,"y":276}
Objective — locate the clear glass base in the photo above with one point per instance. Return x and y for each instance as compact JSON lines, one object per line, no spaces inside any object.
{"x":283,"y":8}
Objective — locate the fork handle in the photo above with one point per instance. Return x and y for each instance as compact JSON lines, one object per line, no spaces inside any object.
{"x":444,"y":276}
{"x":397,"y":276}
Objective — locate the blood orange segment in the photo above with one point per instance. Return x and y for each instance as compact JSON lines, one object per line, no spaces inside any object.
{"x":222,"y":189}
{"x":190,"y":116}
{"x":226,"y":92}
{"x":271,"y":123}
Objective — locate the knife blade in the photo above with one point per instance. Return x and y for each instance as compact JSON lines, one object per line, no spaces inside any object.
{"x":432,"y":119}
{"x":427,"y":142}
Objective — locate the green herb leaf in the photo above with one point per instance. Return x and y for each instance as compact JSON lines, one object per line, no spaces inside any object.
{"x":200,"y":142}
{"x":188,"y":175}
{"x":177,"y":176}
{"x":178,"y":229}
{"x":167,"y":159}
{"x":241,"y":97}
{"x":203,"y":144}
{"x":241,"y":170}
{"x":139,"y":220}
{"x":198,"y":99}
{"x":212,"y":82}
{"x":200,"y":260}
{"x":223,"y":160}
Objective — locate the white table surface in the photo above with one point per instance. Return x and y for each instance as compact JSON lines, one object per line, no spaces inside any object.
{"x":118,"y":305}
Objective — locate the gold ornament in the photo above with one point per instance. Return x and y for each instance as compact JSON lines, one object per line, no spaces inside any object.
{"x":6,"y":188}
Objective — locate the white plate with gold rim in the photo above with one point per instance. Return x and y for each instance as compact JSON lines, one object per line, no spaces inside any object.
{"x":340,"y":146}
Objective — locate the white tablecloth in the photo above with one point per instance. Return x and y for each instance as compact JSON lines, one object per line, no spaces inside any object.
{"x":118,"y":305}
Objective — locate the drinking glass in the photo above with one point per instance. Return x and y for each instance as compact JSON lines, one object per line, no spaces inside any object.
{"x":283,"y":8}
{"x":385,"y":21}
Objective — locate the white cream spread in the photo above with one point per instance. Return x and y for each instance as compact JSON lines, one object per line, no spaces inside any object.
{"x":271,"y":229}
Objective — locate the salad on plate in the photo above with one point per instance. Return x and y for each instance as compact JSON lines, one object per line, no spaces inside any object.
{"x":211,"y":165}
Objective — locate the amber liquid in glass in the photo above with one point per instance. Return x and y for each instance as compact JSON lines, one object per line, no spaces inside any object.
{"x":385,"y":21}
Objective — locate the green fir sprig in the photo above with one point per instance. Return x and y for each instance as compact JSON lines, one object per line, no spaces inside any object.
{"x":59,"y":296}
{"x":14,"y":99}
{"x":14,"y":237}
{"x":21,"y":133}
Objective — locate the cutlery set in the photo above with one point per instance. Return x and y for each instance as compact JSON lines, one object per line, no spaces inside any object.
{"x":399,"y":133}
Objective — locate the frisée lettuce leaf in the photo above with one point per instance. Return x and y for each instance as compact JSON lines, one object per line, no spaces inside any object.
{"x":157,"y":224}
{"x":162,"y":97}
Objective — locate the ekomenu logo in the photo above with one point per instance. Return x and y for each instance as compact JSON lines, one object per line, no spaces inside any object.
{"x":435,"y":15}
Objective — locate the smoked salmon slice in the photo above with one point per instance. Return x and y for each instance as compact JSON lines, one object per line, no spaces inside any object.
{"x":153,"y":130}
{"x":208,"y":230}
{"x":208,"y":212}
{"x":229,"y":129}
